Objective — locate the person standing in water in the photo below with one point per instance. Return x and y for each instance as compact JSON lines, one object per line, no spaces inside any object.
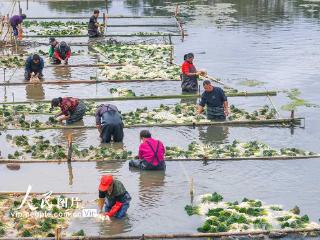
{"x":190,"y":75}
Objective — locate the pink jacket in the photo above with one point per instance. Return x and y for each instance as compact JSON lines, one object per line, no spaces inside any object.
{"x":147,"y":151}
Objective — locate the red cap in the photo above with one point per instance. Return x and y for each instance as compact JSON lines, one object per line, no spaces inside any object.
{"x":105,"y":182}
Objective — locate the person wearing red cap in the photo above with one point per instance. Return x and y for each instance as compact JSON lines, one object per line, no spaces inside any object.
{"x":114,"y":196}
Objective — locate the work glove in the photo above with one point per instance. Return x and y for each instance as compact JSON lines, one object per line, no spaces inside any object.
{"x":116,"y":207}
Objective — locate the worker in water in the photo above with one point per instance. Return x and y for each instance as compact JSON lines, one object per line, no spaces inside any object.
{"x":93,"y":26}
{"x":109,"y":123}
{"x":114,"y":196}
{"x":16,"y":23}
{"x":33,"y":67}
{"x":215,"y":100}
{"x":190,"y":75}
{"x":72,"y":109}
{"x":151,"y":153}
{"x":60,"y":52}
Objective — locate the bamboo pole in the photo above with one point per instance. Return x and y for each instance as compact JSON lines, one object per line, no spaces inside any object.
{"x":228,"y":159}
{"x":84,"y":65}
{"x":270,"y":233}
{"x":141,"y":25}
{"x":283,"y":122}
{"x":7,"y":83}
{"x":41,"y":193}
{"x":109,"y":16}
{"x":183,"y":96}
{"x":107,"y":35}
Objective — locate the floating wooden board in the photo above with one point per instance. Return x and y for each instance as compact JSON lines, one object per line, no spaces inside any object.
{"x":108,"y":35}
{"x":284,"y":122}
{"x":179,"y":96}
{"x":273,"y":158}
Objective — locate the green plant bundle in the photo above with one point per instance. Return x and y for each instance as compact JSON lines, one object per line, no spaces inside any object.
{"x":235,"y":149}
{"x":41,"y":148}
{"x":176,"y":114}
{"x":248,"y":215}
{"x":41,"y":220}
{"x":296,"y":101}
{"x":52,"y":24}
{"x":142,"y":62}
{"x":68,"y":31}
{"x":122,"y":92}
{"x":11,"y":61}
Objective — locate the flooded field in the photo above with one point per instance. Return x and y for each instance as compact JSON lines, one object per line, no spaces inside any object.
{"x":275,"y":42}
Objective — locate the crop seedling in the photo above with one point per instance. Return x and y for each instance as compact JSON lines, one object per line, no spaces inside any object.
{"x":249,"y":214}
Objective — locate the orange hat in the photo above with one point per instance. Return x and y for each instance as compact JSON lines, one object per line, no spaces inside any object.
{"x":105,"y":182}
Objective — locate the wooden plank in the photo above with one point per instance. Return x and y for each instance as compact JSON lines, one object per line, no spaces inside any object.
{"x":83,"y":65}
{"x":108,"y":35}
{"x":180,"y":96}
{"x":85,"y":81}
{"x":87,"y":17}
{"x":273,"y":158}
{"x":284,"y":122}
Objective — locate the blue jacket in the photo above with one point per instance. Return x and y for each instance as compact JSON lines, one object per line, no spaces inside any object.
{"x":31,"y":67}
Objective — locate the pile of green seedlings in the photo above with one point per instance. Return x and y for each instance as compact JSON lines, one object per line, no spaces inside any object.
{"x":11,"y":61}
{"x":68,"y":31}
{"x":186,"y":113}
{"x":34,"y":223}
{"x":52,"y":24}
{"x":42,"y":28}
{"x":122,"y":92}
{"x":247,"y":215}
{"x":196,"y":13}
{"x":235,"y":149}
{"x":142,"y":62}
{"x":176,"y":114}
{"x":40,"y":148}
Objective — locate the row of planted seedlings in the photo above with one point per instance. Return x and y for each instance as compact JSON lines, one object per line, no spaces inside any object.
{"x":37,"y":215}
{"x":80,"y":28}
{"x":20,"y":115}
{"x":142,"y":61}
{"x":42,"y":214}
{"x":41,"y":148}
{"x":249,"y":215}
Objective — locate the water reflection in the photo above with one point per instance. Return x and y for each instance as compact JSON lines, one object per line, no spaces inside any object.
{"x":77,"y":135}
{"x":116,"y":226}
{"x":70,"y":172}
{"x":151,"y":187}
{"x":76,"y":6}
{"x":213,"y":134}
{"x":35,"y":91}
{"x":62,"y":73}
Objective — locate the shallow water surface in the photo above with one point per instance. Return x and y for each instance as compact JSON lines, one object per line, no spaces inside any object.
{"x":272,"y":41}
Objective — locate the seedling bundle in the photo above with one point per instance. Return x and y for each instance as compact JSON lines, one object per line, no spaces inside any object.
{"x":39,"y":216}
{"x":40,"y":148}
{"x":142,"y":62}
{"x":247,"y":215}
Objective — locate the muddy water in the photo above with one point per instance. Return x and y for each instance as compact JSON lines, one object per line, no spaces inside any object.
{"x":276,"y":42}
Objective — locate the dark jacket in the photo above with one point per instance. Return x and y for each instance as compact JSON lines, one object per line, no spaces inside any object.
{"x":32,"y":67}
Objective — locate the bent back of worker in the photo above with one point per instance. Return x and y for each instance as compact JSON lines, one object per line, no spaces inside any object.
{"x":151,"y":152}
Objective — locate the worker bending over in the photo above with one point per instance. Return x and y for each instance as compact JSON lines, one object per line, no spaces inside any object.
{"x":16,"y":23}
{"x":93,"y":26}
{"x":215,"y":100}
{"x":190,"y":75}
{"x":109,"y":123}
{"x":59,"y":52}
{"x":72,"y":109}
{"x":114,"y":196}
{"x":151,"y":153}
{"x":34,"y":66}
